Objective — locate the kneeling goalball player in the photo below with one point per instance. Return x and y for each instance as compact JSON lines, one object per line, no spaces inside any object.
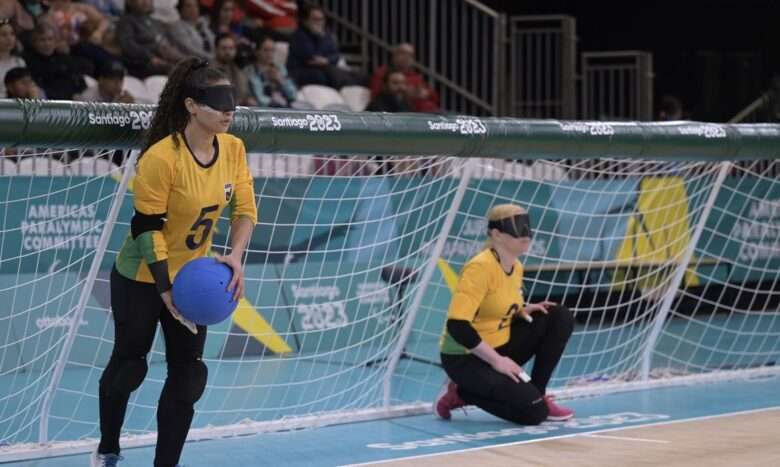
{"x":490,"y":332}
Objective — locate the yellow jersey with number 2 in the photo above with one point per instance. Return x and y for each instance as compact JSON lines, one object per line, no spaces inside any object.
{"x":487,"y":297}
{"x":192,"y":196}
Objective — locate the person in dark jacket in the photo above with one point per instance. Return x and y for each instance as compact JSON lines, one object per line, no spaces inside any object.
{"x":59,"y":75}
{"x":146,"y":50}
{"x":314,"y":55}
{"x":393,"y":97}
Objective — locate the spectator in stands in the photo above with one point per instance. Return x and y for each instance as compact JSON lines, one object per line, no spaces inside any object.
{"x":145,"y":48}
{"x":17,"y":15}
{"x":278,"y":16}
{"x":314,"y":56}
{"x":165,"y":11}
{"x":58,"y":74}
{"x":421,"y":96}
{"x":20,"y":85}
{"x":7,"y":48}
{"x":224,"y":20}
{"x":74,"y":21}
{"x":225,"y":60}
{"x":671,"y":109}
{"x":393,"y":97}
{"x":268,"y":82}
{"x":110,"y":78}
{"x":191,"y":33}
{"x":112,"y":9}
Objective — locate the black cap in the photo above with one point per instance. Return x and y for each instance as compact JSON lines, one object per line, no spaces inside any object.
{"x":111,"y":69}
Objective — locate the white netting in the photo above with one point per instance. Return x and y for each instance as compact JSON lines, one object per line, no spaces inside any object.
{"x":347,"y":246}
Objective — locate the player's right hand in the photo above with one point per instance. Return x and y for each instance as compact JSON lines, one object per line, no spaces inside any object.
{"x":167,"y":298}
{"x":507,"y":366}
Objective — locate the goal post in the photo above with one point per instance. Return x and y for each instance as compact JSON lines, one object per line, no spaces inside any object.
{"x":663,"y":238}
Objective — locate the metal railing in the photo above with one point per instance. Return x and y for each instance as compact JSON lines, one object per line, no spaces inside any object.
{"x":443,"y":31}
{"x":617,"y":86}
{"x":542,"y":67}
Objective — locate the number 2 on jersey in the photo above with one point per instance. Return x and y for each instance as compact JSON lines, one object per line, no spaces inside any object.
{"x":204,"y":222}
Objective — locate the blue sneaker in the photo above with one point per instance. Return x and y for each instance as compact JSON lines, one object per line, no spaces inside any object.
{"x":104,"y":460}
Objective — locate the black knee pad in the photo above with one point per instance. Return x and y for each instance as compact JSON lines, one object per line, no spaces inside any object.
{"x":127,"y":377}
{"x":189,"y":380}
{"x":537,"y":413}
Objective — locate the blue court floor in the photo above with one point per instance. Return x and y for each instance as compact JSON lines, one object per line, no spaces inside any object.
{"x":421,"y":435}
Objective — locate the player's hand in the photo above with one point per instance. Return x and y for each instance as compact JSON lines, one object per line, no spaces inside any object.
{"x":236,"y":284}
{"x":529,"y":308}
{"x":507,"y":366}
{"x":167,"y":298}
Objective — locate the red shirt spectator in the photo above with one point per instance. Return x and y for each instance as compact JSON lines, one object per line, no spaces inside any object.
{"x":422,"y":97}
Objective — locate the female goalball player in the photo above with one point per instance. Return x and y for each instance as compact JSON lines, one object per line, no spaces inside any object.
{"x":188,"y":172}
{"x":491,"y":332}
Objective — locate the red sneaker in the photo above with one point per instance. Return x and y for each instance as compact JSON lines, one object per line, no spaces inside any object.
{"x":447,"y":401}
{"x":557,"y":413}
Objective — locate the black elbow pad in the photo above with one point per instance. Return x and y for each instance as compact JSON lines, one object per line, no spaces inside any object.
{"x":145,"y":222}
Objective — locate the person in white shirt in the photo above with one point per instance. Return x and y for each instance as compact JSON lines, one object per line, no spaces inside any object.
{"x":110,"y":78}
{"x":7,"y":46}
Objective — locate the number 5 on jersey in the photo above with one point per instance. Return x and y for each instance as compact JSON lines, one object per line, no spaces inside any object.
{"x":204,"y":222}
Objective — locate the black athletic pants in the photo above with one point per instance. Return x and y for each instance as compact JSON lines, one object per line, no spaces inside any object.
{"x":479,"y":384}
{"x":137,"y":308}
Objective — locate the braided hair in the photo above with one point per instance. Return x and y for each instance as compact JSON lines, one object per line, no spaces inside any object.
{"x":172,"y":116}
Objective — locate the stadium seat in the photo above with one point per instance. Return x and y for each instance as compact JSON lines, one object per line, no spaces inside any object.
{"x":91,"y":166}
{"x":8,"y":167}
{"x":41,"y":166}
{"x":356,"y":97}
{"x":91,"y":82}
{"x":136,"y":88}
{"x":281,"y":50}
{"x":155,"y":85}
{"x":321,"y":97}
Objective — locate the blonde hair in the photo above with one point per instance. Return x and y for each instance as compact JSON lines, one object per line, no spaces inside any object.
{"x":502,"y":211}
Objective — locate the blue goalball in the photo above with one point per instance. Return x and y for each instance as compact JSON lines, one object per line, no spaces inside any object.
{"x":200,"y":291}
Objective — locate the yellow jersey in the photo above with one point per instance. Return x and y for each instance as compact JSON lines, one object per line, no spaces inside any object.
{"x":191,"y":195}
{"x":486,"y":297}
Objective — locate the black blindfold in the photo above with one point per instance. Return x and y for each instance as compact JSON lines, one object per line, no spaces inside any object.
{"x":517,"y":226}
{"x":221,"y":97}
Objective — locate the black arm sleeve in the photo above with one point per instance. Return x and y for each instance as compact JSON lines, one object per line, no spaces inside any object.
{"x":159,"y":272}
{"x":145,"y":222}
{"x":463,"y":333}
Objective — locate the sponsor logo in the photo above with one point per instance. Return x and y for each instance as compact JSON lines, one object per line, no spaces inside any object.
{"x":588,"y":423}
{"x":312,"y":122}
{"x":759,"y":232}
{"x":464,"y":126}
{"x":48,"y":322}
{"x":137,"y":120}
{"x":588,"y":128}
{"x":316,"y":291}
{"x":321,"y":316}
{"x":60,"y":226}
{"x":707,"y":131}
{"x":370,"y":293}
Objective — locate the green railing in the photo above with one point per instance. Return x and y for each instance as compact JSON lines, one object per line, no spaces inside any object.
{"x":62,"y":124}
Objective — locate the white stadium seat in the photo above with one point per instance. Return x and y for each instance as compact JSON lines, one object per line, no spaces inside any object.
{"x":356,"y":97}
{"x":136,"y":88}
{"x":321,"y":97}
{"x":155,"y":85}
{"x":8,"y":167}
{"x":92,"y":166}
{"x":41,"y":166}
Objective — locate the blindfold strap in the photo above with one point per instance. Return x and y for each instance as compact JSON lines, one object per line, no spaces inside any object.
{"x":517,"y":226}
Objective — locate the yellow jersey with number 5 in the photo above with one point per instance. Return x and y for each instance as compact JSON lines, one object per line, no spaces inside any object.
{"x":192,"y":196}
{"x":487,"y":297}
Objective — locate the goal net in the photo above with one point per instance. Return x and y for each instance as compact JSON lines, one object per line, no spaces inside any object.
{"x":670,"y":264}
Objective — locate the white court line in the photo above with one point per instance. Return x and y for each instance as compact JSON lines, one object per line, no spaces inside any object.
{"x":625,"y":438}
{"x":571,"y":435}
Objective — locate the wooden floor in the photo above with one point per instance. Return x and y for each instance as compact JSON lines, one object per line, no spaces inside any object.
{"x":751,"y":439}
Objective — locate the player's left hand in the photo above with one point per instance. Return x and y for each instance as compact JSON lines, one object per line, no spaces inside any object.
{"x":526,"y":312}
{"x":236,"y":284}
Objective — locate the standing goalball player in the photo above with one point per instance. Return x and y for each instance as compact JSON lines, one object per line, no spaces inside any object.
{"x":188,"y":172}
{"x":490,"y":332}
